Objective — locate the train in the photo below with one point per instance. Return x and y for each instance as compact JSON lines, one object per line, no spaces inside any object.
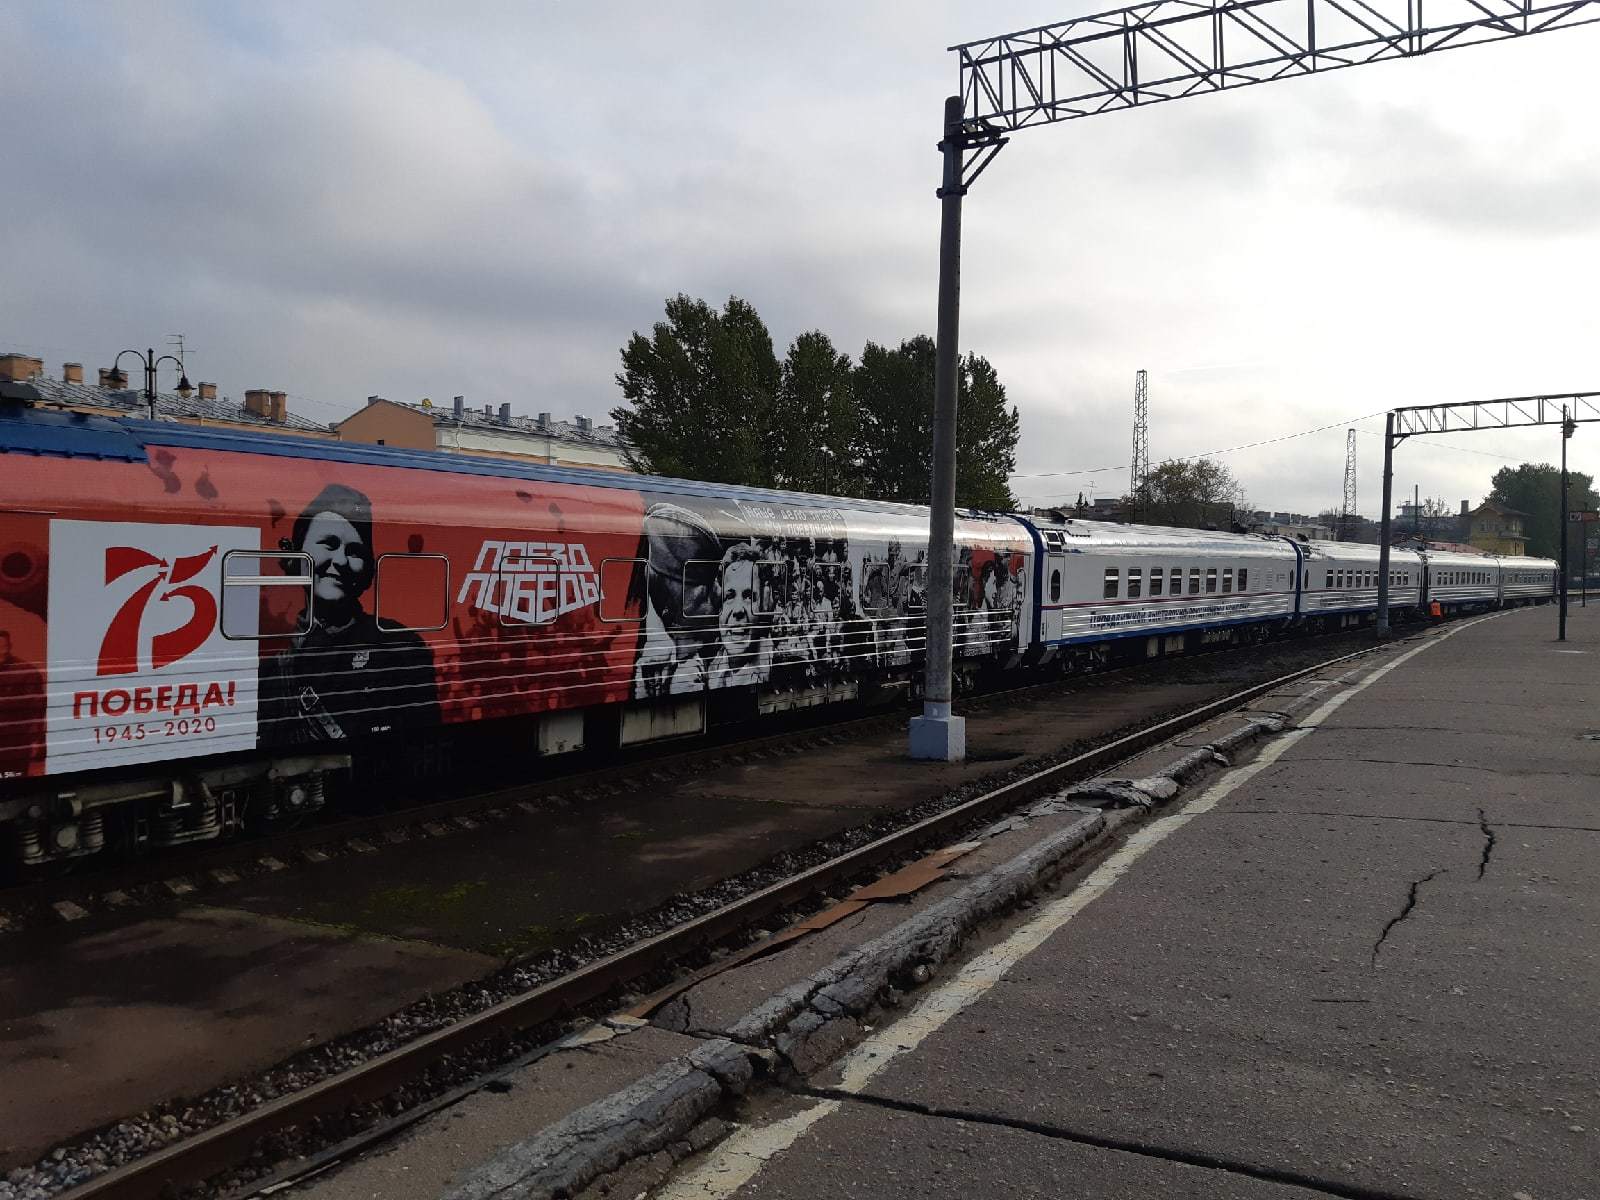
{"x":206,"y":630}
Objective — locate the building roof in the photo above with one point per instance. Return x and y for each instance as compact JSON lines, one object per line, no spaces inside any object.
{"x":1496,"y":506}
{"x":1435,"y":544}
{"x":169,"y":405}
{"x":566,"y":431}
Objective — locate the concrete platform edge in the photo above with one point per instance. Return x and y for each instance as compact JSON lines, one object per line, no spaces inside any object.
{"x":810,"y":1024}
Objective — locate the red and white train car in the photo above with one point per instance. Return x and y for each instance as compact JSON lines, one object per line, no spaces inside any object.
{"x":198,"y":626}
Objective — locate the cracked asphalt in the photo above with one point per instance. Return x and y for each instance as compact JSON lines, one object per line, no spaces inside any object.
{"x":1372,"y":969}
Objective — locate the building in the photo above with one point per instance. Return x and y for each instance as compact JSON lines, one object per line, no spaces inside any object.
{"x":22,"y":377}
{"x":576,"y":443}
{"x":459,"y":429}
{"x":1497,"y":529}
{"x":1299,"y":526}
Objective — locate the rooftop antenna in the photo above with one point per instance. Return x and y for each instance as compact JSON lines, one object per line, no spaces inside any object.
{"x":176,"y":340}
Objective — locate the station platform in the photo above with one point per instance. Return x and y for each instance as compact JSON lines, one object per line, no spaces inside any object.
{"x":1366,"y":964}
{"x":1360,"y":959}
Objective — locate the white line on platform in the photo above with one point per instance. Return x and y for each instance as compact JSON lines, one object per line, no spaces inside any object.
{"x":736,"y":1161}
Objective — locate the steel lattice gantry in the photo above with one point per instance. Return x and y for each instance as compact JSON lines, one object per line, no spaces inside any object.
{"x":1170,"y":49}
{"x":1510,"y":413}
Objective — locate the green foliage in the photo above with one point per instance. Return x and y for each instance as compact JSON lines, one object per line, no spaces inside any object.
{"x":813,"y":429}
{"x":1535,"y":489}
{"x":1196,"y":493}
{"x":707,"y":399}
{"x":701,"y":390}
{"x":894,"y":389}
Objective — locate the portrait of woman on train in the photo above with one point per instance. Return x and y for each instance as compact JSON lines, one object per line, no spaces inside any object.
{"x":346,"y":673}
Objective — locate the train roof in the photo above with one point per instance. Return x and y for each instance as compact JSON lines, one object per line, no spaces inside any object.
{"x":1353,"y":551}
{"x":1102,"y":535}
{"x":28,"y":430}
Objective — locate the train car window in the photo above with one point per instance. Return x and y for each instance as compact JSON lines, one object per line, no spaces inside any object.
{"x":1113,"y":583}
{"x":1157,"y":579}
{"x":1175,"y":582}
{"x":265,"y":594}
{"x":700,"y":588}
{"x":412,"y":593}
{"x":1055,"y":584}
{"x":774,"y":595}
{"x":1244,"y":579}
{"x":1135,"y":583}
{"x":914,"y":588}
{"x":1328,"y":582}
{"x":1227,"y":579}
{"x":528,"y":588}
{"x":1194,"y":581}
{"x":622,"y":587}
{"x":1211,"y":580}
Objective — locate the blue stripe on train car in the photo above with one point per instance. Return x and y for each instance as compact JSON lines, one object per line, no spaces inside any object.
{"x":1169,"y":630}
{"x":66,"y":435}
{"x":43,"y":431}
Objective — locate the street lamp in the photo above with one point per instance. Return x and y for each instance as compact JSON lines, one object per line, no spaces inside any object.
{"x":150,"y":362}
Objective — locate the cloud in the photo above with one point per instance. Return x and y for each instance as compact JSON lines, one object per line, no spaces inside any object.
{"x":488,"y":198}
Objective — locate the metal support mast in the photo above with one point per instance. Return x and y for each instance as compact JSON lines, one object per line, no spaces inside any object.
{"x":1148,"y":53}
{"x":937,"y":733}
{"x":1568,"y":428}
{"x":1139,"y":473}
{"x":1385,"y":524}
{"x":1347,"y":515}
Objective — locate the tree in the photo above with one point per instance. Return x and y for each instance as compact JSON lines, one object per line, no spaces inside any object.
{"x":987,"y":432}
{"x":812,"y":431}
{"x":894,"y":393}
{"x":707,"y":399}
{"x":702,"y":389}
{"x":1195,"y":493}
{"x":1535,"y":489}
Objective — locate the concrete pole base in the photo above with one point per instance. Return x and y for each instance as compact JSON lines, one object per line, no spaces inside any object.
{"x":938,"y":736}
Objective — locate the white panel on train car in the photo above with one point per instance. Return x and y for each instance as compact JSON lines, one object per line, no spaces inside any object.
{"x":139,"y":668}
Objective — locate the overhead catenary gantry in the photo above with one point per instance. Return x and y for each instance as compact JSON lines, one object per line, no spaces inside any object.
{"x":1566,"y":409}
{"x":1143,"y":54}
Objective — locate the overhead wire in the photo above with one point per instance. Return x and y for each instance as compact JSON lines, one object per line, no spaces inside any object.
{"x":1204,"y":453}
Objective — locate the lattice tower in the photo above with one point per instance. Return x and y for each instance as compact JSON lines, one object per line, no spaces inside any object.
{"x":1141,"y":435}
{"x":1347,"y":515}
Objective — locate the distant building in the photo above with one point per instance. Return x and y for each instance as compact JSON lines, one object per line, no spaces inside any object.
{"x":576,"y":443}
{"x":1497,"y":529}
{"x":1302,"y":529}
{"x":22,"y":377}
{"x":1415,"y":520}
{"x":1411,"y":541}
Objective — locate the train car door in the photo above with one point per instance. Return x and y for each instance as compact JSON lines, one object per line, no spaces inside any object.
{"x":1052,"y":587}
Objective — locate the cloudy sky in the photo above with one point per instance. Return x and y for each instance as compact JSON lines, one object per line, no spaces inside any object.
{"x":418,"y":199}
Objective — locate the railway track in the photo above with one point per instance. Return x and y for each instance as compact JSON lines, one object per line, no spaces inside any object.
{"x":420,"y":1067}
{"x":190,"y":870}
